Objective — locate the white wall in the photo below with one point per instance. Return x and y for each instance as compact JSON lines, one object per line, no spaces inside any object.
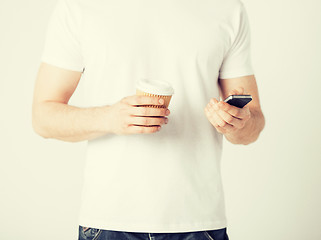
{"x":272,"y":187}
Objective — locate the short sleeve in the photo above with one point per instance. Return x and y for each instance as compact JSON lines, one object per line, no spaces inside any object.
{"x":237,"y":61}
{"x":62,"y":45}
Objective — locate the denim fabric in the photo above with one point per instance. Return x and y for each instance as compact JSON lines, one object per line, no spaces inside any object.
{"x":98,"y":234}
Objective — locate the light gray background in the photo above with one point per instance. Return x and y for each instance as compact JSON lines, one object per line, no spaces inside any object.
{"x":272,"y":187}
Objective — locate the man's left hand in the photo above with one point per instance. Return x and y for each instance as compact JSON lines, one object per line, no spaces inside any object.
{"x":225,"y":117}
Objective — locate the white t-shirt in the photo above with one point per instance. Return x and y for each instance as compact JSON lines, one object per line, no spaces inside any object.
{"x":169,"y":181}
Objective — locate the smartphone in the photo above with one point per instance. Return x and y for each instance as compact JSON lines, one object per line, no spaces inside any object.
{"x":238,"y":100}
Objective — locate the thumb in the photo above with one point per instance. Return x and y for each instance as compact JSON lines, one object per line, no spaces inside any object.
{"x":237,"y":91}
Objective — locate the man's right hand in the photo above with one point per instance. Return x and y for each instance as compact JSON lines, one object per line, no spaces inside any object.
{"x":53,"y":117}
{"x":131,"y":116}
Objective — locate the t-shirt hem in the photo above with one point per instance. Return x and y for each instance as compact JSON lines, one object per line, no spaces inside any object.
{"x":62,"y":64}
{"x":236,"y":73}
{"x":154,"y":228}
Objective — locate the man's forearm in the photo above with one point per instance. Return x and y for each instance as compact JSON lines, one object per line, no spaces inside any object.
{"x":250,"y":132}
{"x":69,"y":123}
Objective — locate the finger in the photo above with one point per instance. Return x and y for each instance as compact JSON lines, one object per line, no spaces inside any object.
{"x":148,"y":121}
{"x":247,"y":112}
{"x":149,"y":111}
{"x":207,"y":113}
{"x":227,"y":117}
{"x":224,"y":130}
{"x":212,"y":107}
{"x":213,"y":102}
{"x":216,"y":119}
{"x":133,"y":129}
{"x":236,"y":112}
{"x":143,"y":100}
{"x":237,"y":91}
{"x":221,"y":123}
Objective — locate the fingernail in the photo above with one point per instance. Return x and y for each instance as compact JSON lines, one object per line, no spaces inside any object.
{"x":166,"y":121}
{"x":161,"y":101}
{"x":158,"y":128}
{"x":167,"y":112}
{"x":212,"y":101}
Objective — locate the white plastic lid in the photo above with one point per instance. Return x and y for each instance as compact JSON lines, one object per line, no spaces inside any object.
{"x":155,"y":87}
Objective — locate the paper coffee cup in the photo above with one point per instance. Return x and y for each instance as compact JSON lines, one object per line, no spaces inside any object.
{"x":163,"y":89}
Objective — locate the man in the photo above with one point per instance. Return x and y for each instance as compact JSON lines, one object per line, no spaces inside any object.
{"x":151,"y":173}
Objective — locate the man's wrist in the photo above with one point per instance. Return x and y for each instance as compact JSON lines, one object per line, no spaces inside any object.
{"x":104,"y":120}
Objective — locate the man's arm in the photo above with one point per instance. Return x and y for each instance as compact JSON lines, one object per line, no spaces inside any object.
{"x":52,"y":117}
{"x":239,"y":125}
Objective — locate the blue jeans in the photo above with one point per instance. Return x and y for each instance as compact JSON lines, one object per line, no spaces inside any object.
{"x":99,"y":234}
